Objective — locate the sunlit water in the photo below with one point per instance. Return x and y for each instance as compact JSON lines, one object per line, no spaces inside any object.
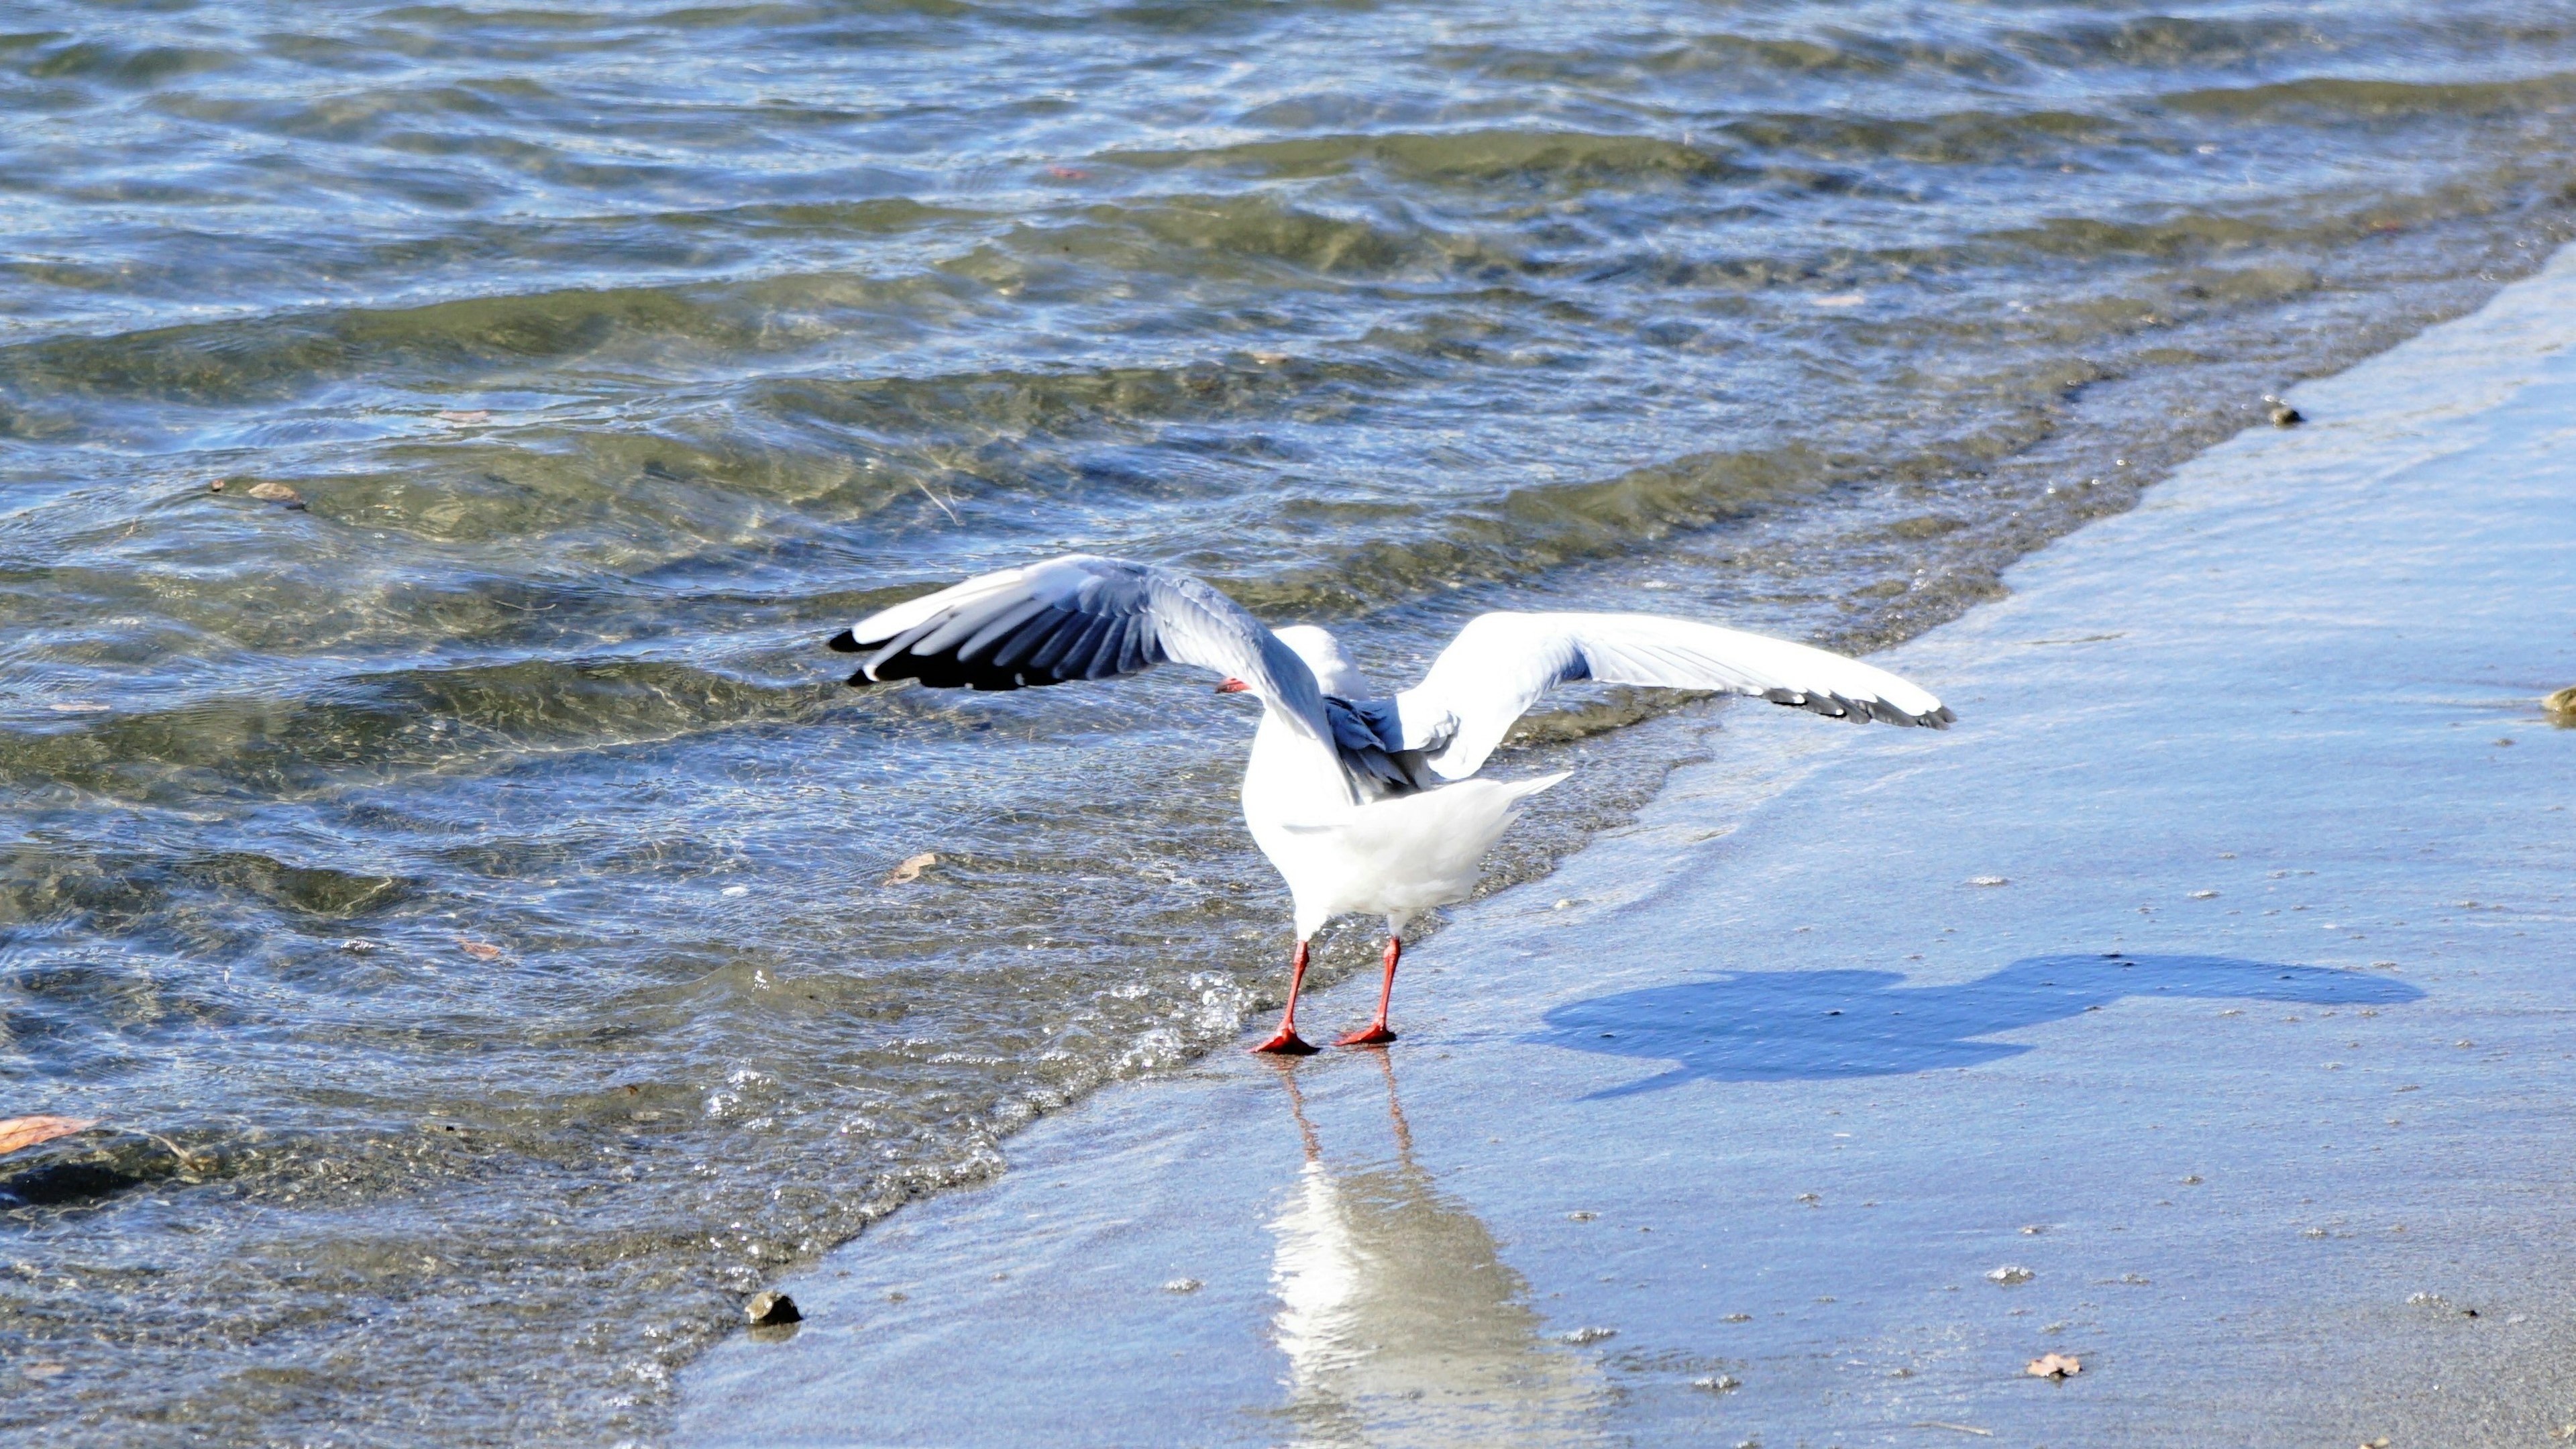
{"x":459,"y":895}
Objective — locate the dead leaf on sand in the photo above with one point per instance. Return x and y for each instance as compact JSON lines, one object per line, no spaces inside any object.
{"x":911,"y":869}
{"x":23,"y":1132}
{"x":479,"y":950}
{"x":2054,"y":1366}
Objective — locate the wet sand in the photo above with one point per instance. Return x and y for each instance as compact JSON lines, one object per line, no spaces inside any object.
{"x":2258,"y":1068}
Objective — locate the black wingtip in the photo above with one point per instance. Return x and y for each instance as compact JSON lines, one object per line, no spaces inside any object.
{"x":844,"y":642}
{"x":861,"y":680}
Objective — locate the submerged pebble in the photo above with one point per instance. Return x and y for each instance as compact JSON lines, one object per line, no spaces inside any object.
{"x":911,"y":869}
{"x":771,"y":1309}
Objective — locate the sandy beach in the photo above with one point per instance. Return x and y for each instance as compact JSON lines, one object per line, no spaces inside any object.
{"x":2197,"y":1008}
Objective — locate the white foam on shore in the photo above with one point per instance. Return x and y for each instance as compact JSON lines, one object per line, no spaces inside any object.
{"x":1783,"y":1090}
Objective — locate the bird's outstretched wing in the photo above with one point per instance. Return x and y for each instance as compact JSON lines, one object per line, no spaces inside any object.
{"x":1500,"y":664}
{"x":1079,"y":617}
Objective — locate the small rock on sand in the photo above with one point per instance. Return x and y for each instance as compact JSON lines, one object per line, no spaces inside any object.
{"x":1718,"y":1383}
{"x":2562,"y":704}
{"x":1183,"y":1285}
{"x":2054,"y":1366}
{"x":2009,"y":1274}
{"x":268,"y":492}
{"x":770,"y":1309}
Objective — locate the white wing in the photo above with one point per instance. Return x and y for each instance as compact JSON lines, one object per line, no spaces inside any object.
{"x":1500,"y":664}
{"x":1079,"y":617}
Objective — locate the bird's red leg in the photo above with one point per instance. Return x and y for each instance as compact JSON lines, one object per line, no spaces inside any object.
{"x":1286,"y":1041}
{"x":1376,"y":1033}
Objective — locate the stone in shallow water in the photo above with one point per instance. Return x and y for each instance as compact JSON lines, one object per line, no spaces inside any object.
{"x":768,"y":1310}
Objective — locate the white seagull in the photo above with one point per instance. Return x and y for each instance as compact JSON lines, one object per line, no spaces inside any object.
{"x":1364,"y":803}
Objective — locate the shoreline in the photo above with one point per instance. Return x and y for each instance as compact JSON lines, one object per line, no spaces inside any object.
{"x":2267,"y":1185}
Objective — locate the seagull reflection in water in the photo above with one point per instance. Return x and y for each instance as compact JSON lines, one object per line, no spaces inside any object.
{"x":1399,"y":1319}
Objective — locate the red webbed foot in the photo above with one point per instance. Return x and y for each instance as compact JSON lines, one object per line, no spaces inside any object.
{"x":1288,"y":1043}
{"x":1376,"y":1034}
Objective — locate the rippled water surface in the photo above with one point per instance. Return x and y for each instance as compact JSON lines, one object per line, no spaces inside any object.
{"x":456,"y":886}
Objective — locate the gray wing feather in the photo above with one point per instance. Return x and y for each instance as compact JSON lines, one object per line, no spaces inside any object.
{"x":1080,"y":617}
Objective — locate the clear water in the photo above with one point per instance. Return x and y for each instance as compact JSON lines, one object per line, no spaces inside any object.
{"x":460,"y":896}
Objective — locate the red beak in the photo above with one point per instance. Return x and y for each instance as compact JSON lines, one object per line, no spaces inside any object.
{"x":1233,"y":686}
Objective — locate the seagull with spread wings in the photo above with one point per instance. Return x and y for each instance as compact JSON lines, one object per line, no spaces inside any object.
{"x":1365,"y":803}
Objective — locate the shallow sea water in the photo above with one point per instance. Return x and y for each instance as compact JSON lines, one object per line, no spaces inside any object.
{"x":459,"y":895}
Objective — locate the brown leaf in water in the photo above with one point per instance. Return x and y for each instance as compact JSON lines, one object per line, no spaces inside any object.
{"x":479,"y":950}
{"x":2054,"y":1366}
{"x":268,"y":492}
{"x":22,"y":1132}
{"x":911,"y":869}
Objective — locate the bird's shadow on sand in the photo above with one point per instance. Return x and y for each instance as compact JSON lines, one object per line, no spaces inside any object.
{"x":1779,"y":1026}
